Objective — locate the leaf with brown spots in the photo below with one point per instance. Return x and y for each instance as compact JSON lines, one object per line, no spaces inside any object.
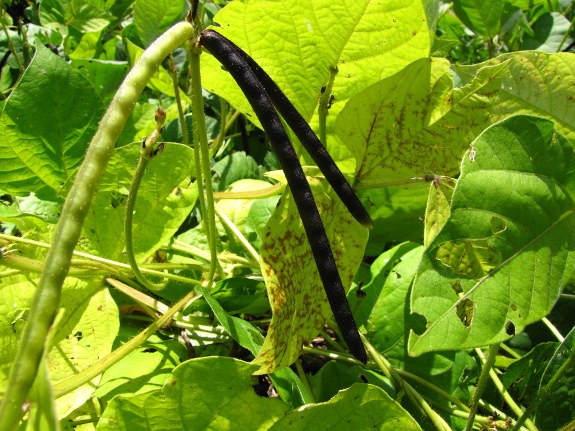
{"x":297,"y":296}
{"x":415,"y":123}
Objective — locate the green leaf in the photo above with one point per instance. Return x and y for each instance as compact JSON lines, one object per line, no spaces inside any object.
{"x":550,"y":31}
{"x":414,"y":123}
{"x":78,"y":15}
{"x":557,"y":409}
{"x":105,"y":76}
{"x":297,"y":296}
{"x":203,"y":393}
{"x":387,"y":294}
{"x":165,"y":199}
{"x":47,"y":122}
{"x":503,"y":257}
{"x":242,"y":331}
{"x":235,"y":167}
{"x":438,"y":207}
{"x":535,"y":83}
{"x":240,"y":295}
{"x":337,"y":376}
{"x":84,"y":334}
{"x":237,"y":210}
{"x":481,"y":17}
{"x":359,"y":407}
{"x":144,"y":369}
{"x":153,"y":17}
{"x":258,"y":216}
{"x":366,"y":40}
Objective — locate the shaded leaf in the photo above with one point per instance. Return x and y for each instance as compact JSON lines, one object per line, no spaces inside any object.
{"x":153,"y":18}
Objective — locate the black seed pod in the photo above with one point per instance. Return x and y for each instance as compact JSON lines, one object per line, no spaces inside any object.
{"x":234,"y":60}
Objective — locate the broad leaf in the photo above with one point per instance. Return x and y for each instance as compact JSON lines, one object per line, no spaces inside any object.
{"x":414,"y":123}
{"x":204,"y":393}
{"x":152,"y":18}
{"x":84,"y":334}
{"x":297,"y":296}
{"x":359,"y":407}
{"x":367,"y":40}
{"x":482,"y":17}
{"x":535,"y":83}
{"x":503,"y":257}
{"x":550,"y":33}
{"x":165,"y":198}
{"x":78,"y":15}
{"x":45,"y":128}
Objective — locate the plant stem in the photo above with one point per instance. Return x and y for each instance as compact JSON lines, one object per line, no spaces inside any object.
{"x":324,"y":105}
{"x":147,"y":153}
{"x":481,"y":384}
{"x":47,"y":298}
{"x":553,"y":329}
{"x":231,"y":226}
{"x":401,"y":384}
{"x":201,"y":146}
{"x":506,"y":396}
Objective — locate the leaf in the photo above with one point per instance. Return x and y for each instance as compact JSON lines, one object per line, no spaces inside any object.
{"x":152,"y":18}
{"x":84,"y":334}
{"x":438,"y":206}
{"x":46,"y":125}
{"x":237,"y":210}
{"x":414,"y":123}
{"x":505,"y":253}
{"x":359,"y":407}
{"x":557,"y":409}
{"x":142,"y":370}
{"x":105,"y":76}
{"x":535,"y":83}
{"x":297,"y":297}
{"x":367,"y":40}
{"x":165,"y":198}
{"x":550,"y":30}
{"x":234,"y":167}
{"x":482,"y":17}
{"x":78,"y":15}
{"x":203,"y":393}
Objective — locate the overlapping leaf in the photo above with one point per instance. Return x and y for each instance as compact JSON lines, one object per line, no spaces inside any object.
{"x":506,"y":251}
{"x":297,"y":42}
{"x":414,"y":123}
{"x":535,"y":83}
{"x":165,"y":198}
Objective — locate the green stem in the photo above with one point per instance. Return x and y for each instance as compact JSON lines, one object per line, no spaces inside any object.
{"x":402,"y":385}
{"x":325,"y":104}
{"x":241,"y":238}
{"x":274,"y":190}
{"x":547,"y":389}
{"x":11,"y":44}
{"x":506,"y":396}
{"x":481,"y":384}
{"x":201,"y":141}
{"x":147,"y":269}
{"x":46,"y":301}
{"x":147,"y":153}
{"x":553,"y":329}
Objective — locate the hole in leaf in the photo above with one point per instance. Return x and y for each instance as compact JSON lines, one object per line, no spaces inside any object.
{"x":78,"y":335}
{"x":509,"y":328}
{"x":465,"y":310}
{"x":149,"y":350}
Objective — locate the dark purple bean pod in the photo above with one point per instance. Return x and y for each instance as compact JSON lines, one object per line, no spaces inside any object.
{"x":233,"y":60}
{"x":309,"y":140}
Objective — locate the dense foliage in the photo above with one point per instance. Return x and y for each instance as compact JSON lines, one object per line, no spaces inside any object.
{"x":191,"y":299}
